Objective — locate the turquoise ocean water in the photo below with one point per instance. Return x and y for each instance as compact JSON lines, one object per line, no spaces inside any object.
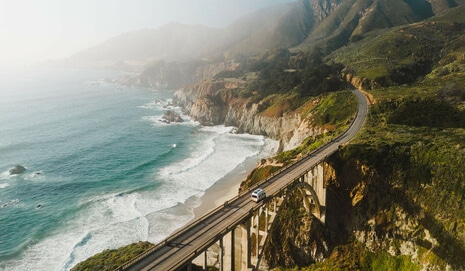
{"x":102,"y":171}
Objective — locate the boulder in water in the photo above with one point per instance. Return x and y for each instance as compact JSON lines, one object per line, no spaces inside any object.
{"x":171,"y":116}
{"x":18,"y":169}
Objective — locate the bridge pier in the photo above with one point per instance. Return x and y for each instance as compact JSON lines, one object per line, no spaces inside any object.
{"x":242,"y":247}
{"x":248,"y":248}
{"x":221,"y":254}
{"x":315,"y":178}
{"x":205,"y":262}
{"x":230,"y":250}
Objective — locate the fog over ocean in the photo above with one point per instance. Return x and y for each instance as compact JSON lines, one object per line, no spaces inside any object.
{"x":101,"y":170}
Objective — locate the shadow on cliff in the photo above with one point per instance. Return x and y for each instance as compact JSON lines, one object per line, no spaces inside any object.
{"x":362,"y":200}
{"x":449,"y":248}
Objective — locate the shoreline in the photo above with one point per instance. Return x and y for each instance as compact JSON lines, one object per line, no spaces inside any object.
{"x":227,"y":187}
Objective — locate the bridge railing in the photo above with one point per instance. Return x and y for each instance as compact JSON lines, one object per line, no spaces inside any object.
{"x":190,"y":225}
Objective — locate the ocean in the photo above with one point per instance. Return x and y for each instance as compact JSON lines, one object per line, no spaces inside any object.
{"x":101,"y":170}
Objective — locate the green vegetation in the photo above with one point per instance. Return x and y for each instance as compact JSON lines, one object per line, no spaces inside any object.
{"x":304,"y":74}
{"x":310,"y":144}
{"x":417,"y":171}
{"x":282,"y":72}
{"x":409,"y":157}
{"x":402,"y":178}
{"x":335,"y":109}
{"x":257,"y":175}
{"x":112,"y":259}
{"x":356,"y":257}
{"x":407,"y":53}
{"x":332,"y":111}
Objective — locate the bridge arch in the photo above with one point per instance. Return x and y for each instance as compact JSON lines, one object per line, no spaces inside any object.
{"x":310,"y":186}
{"x":310,"y":198}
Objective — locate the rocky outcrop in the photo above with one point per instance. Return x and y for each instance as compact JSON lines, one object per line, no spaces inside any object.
{"x":290,"y":129}
{"x":302,"y":243}
{"x":174,"y":75}
{"x":375,"y":202}
{"x":361,"y":84}
{"x":202,"y":103}
{"x":18,"y":169}
{"x":324,"y":8}
{"x":383,"y":204}
{"x":209,"y":70}
{"x":171,"y":116}
{"x":216,"y":103}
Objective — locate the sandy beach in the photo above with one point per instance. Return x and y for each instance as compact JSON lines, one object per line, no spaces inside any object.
{"x":225,"y":189}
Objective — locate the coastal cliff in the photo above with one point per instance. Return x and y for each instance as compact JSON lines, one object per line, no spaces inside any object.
{"x":218,"y":102}
{"x":385,"y":196}
{"x":174,"y":75}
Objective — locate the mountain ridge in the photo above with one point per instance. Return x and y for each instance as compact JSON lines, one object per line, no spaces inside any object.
{"x":300,"y":25}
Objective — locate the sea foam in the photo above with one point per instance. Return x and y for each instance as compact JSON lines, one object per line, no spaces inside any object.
{"x":116,"y":219}
{"x":109,"y":175}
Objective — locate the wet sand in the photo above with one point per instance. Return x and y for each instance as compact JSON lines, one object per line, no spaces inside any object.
{"x":225,"y":189}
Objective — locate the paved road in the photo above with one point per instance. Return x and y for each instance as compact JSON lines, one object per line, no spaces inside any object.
{"x":186,"y":244}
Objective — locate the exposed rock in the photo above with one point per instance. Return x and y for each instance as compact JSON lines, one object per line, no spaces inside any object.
{"x":302,"y":243}
{"x":376,"y":204}
{"x":208,"y":110}
{"x":173,"y":75}
{"x":290,"y":129}
{"x":171,"y":116}
{"x":213,"y":103}
{"x":18,"y":169}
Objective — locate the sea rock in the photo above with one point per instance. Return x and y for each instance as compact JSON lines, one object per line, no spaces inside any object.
{"x":171,"y":116}
{"x":18,"y":169}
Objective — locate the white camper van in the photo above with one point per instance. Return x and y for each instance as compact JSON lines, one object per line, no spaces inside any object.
{"x":258,"y":195}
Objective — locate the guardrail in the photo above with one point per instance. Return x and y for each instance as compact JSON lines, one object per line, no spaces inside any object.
{"x":193,"y":223}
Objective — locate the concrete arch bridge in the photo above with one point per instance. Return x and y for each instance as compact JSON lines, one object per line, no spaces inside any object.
{"x":239,"y":228}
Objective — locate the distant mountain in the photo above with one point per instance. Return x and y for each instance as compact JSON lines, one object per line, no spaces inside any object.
{"x":178,"y":42}
{"x":432,"y":48}
{"x":172,"y":42}
{"x":282,"y":26}
{"x":339,"y":22}
{"x":328,"y":24}
{"x":302,"y":25}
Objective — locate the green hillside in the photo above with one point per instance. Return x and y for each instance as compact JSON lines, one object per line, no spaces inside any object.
{"x":397,"y":202}
{"x":403,"y":55}
{"x":396,"y":196}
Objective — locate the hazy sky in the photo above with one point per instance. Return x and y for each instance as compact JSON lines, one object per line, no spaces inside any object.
{"x":36,"y":30}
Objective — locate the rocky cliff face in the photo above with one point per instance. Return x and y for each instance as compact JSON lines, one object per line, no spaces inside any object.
{"x":387,"y":206}
{"x":304,"y":241}
{"x":323,"y":8}
{"x":380,"y":213}
{"x":298,"y":238}
{"x":174,"y":75}
{"x":218,"y":102}
{"x":290,"y":129}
